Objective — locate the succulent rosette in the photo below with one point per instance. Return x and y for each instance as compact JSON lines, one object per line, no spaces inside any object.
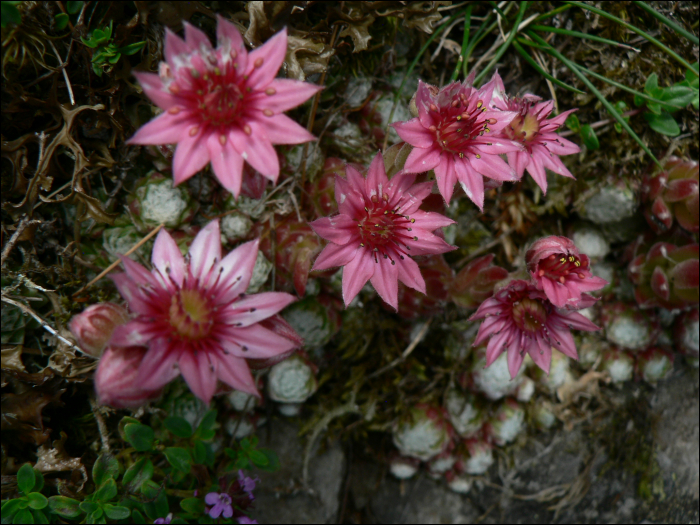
{"x":686,"y":333}
{"x":667,"y":276}
{"x":194,"y":318}
{"x":223,"y":105}
{"x":673,"y":193}
{"x":520,"y":319}
{"x":562,"y":272}
{"x":458,"y":135}
{"x":533,"y":128}
{"x":425,"y":434}
{"x":378,"y":228}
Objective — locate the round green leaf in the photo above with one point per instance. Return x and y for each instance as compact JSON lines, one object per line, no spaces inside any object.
{"x":192,"y":505}
{"x":663,"y":123}
{"x":139,"y":436}
{"x":37,"y":501}
{"x":88,"y":506}
{"x":115,"y":512}
{"x":589,"y":137}
{"x":11,"y":506}
{"x":74,"y":7}
{"x":61,"y":21}
{"x":158,"y":508}
{"x":25,"y":478}
{"x":106,"y":467}
{"x":258,"y":458}
{"x":65,"y":507}
{"x":273,"y":462}
{"x":178,"y":426}
{"x":23,"y":516}
{"x":39,"y":516}
{"x":137,"y":474}
{"x":179,"y":458}
{"x":107,"y":491}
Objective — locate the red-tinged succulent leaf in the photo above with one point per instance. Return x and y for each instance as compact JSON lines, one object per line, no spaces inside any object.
{"x":660,"y":284}
{"x":655,"y":186}
{"x":635,"y":269}
{"x":253,"y":184}
{"x":660,"y":250}
{"x":685,"y":275}
{"x":689,"y":251}
{"x":467,"y":274}
{"x":686,"y":218}
{"x":680,"y":189}
{"x":662,"y":217}
{"x":644,"y":297}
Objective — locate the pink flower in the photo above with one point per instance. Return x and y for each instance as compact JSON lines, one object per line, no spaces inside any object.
{"x":521,"y":319}
{"x":94,"y":326}
{"x":378,"y":227}
{"x":535,"y":132}
{"x":116,"y":379}
{"x":223,"y":105}
{"x":562,"y":272}
{"x":221,"y":504}
{"x":194,"y":318}
{"x":457,"y":134}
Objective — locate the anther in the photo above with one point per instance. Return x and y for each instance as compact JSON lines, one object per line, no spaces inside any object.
{"x":193,"y":131}
{"x":270,"y":91}
{"x":247,"y":130}
{"x":222,"y":139}
{"x":267,"y":112}
{"x":258,"y":62}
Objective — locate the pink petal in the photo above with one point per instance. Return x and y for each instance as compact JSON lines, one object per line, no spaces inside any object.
{"x":556,"y":292}
{"x":561,"y":146}
{"x":376,"y":181}
{"x":338,"y":228}
{"x":134,"y":333}
{"x":386,"y":281}
{"x":253,"y":342}
{"x":199,"y":373}
{"x":265,"y":61}
{"x":191,"y":155}
{"x":335,"y":255}
{"x":446,"y":177}
{"x":496,"y":146}
{"x":288,"y":94}
{"x":562,"y":340}
{"x":350,"y":202}
{"x":132,"y":293}
{"x":493,"y":167}
{"x":518,"y":160}
{"x":472,"y":182}
{"x":541,"y":353}
{"x":414,"y":133}
{"x":575,"y":320}
{"x":138,"y":273}
{"x":235,"y":372}
{"x":536,"y":169}
{"x":409,"y":274}
{"x":256,"y":150}
{"x":354,"y":179}
{"x":496,"y":345}
{"x":166,"y":128}
{"x":399,"y":185}
{"x":515,"y":361}
{"x":423,"y":159}
{"x":229,"y":38}
{"x":167,"y":258}
{"x":280,"y":129}
{"x":423,"y":101}
{"x":253,"y":308}
{"x":212,"y":498}
{"x":426,"y":243}
{"x":226,"y":163}
{"x":551,"y":161}
{"x":488,"y":327}
{"x":152,"y":85}
{"x":430,"y":221}
{"x":356,"y":273}
{"x":411,"y":199}
{"x":159,"y":365}
{"x":174,"y":46}
{"x":235,"y":271}
{"x":205,"y":250}
{"x":196,"y":39}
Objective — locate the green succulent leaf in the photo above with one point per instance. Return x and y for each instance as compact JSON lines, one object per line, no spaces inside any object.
{"x":39,"y":517}
{"x":115,"y":512}
{"x":37,"y":501}
{"x":663,"y":123}
{"x":178,"y":426}
{"x":132,"y":48}
{"x":199,"y":453}
{"x":107,"y":491}
{"x":139,"y":436}
{"x":258,"y":458}
{"x":194,"y":506}
{"x":23,"y":516}
{"x":157,"y":508}
{"x":10,"y":14}
{"x":65,"y":507}
{"x":62,"y":20}
{"x":25,"y":478}
{"x":273,"y":462}
{"x":74,"y":7}
{"x":88,"y":506}
{"x":179,"y":458}
{"x":590,"y":139}
{"x":106,"y":467}
{"x":572,"y":122}
{"x":137,"y":474}
{"x":205,"y":430}
{"x":10,"y":507}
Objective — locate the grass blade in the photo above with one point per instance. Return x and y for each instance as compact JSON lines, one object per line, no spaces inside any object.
{"x":577,"y":34}
{"x":465,"y":41}
{"x":542,"y":72}
{"x":670,"y":23}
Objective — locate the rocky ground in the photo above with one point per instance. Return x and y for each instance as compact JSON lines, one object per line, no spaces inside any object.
{"x":556,"y":477}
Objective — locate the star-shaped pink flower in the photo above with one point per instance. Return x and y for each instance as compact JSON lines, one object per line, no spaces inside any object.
{"x":223,"y":105}
{"x":377,"y":230}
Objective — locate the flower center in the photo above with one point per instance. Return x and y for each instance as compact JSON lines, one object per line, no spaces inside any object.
{"x":219,"y":96}
{"x":190,"y":315}
{"x":523,"y":128}
{"x":558,"y":266}
{"x":460,"y":123}
{"x":529,"y":314}
{"x":383,"y":230}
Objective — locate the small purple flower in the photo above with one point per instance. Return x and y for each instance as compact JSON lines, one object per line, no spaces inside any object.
{"x":246,"y":520}
{"x":221,"y":504}
{"x":167,"y":519}
{"x":247,"y":484}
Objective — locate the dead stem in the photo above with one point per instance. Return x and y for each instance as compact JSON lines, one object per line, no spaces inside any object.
{"x":104,"y":433}
{"x":23,"y":225}
{"x":417,"y":339}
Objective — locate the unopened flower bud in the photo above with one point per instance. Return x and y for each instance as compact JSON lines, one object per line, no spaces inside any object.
{"x":93,"y":327}
{"x":115,"y":379}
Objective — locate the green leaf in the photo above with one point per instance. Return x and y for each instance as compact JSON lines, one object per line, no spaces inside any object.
{"x":38,"y":481}
{"x":678,"y":96}
{"x":137,"y":474}
{"x":132,"y":48}
{"x":10,"y":507}
{"x":96,"y":517}
{"x":61,"y":21}
{"x":194,"y":506}
{"x":208,"y":421}
{"x":158,"y":508}
{"x":178,"y":426}
{"x":106,"y":467}
{"x":652,"y":83}
{"x":37,"y":501}
{"x":65,"y":507}
{"x":115,"y":512}
{"x":150,"y":489}
{"x":273,"y":462}
{"x":23,"y":516}
{"x":664,"y":124}
{"x":137,"y":517}
{"x":199,"y":453}
{"x":245,"y":444}
{"x":25,"y":478}
{"x":39,"y":517}
{"x":114,"y":59}
{"x":88,"y":506}
{"x":258,"y":458}
{"x":179,"y":458}
{"x":122,"y":424}
{"x":107,"y":491}
{"x":10,"y":14}
{"x":74,"y":7}
{"x":572,"y":122}
{"x":139,"y":436}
